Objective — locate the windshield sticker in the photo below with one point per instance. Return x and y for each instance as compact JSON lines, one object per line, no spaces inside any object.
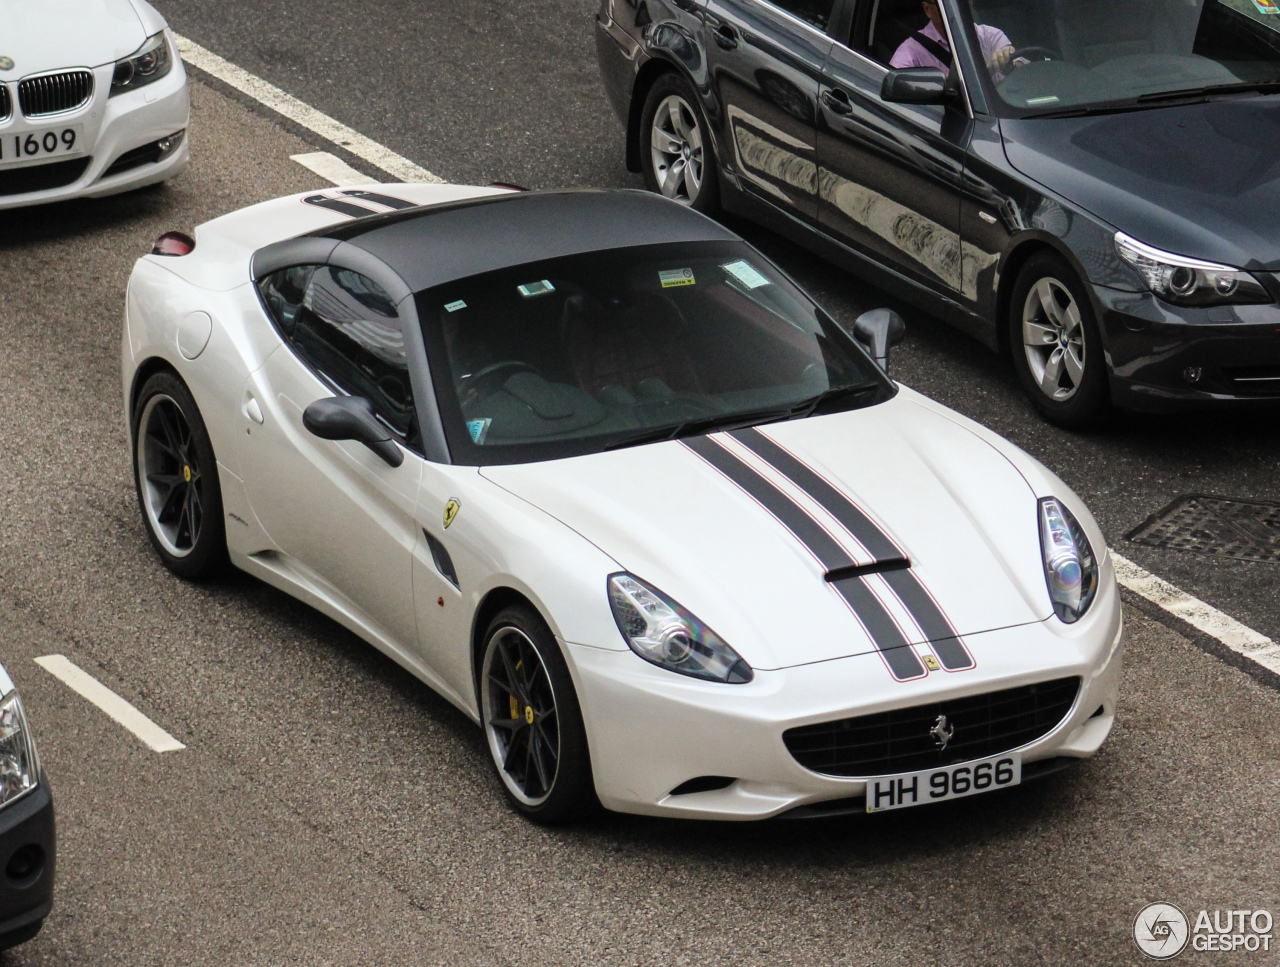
{"x":1266,"y":6}
{"x":1047,"y":99}
{"x":746,"y":273}
{"x":479,"y":429}
{"x":531,"y":289}
{"x":673,"y":277}
{"x":454,"y":306}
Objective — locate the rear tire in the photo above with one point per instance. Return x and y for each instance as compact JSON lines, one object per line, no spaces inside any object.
{"x":676,"y":155}
{"x":175,"y":474}
{"x":532,"y":720}
{"x":1056,"y":346}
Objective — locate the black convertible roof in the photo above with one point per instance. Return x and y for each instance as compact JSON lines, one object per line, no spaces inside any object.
{"x":432,"y":244}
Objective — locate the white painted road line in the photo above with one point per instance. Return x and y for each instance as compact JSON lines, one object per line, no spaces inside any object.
{"x":86,"y":685}
{"x":1240,"y":638}
{"x":295,"y":110}
{"x":332,"y":168}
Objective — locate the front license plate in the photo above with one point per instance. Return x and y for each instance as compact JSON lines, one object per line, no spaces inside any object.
{"x":43,"y":145}
{"x":948,"y":782}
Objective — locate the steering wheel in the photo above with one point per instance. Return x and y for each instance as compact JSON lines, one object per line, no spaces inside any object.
{"x":471,"y":385}
{"x":1037,"y":52}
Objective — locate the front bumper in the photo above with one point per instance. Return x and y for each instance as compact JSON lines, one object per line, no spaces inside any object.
{"x":650,"y":730}
{"x":26,"y":828}
{"x":115,"y":130}
{"x":1165,"y":357}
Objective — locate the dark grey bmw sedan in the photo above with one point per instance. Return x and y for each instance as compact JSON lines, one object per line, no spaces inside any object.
{"x":1092,"y":186}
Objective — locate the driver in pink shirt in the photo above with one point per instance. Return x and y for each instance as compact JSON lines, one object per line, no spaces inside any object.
{"x":929,"y":48}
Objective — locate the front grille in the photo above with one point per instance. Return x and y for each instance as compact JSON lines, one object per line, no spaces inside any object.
{"x":899,"y":740}
{"x":58,"y":174}
{"x":55,"y":93}
{"x":6,"y":105}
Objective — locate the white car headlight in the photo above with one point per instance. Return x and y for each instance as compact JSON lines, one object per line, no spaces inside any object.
{"x":1070,"y":569}
{"x":660,"y":631}
{"x":1190,"y":282}
{"x":19,"y":763}
{"x":148,"y":63}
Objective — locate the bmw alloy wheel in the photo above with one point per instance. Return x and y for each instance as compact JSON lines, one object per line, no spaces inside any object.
{"x":675,"y":147}
{"x":1053,"y":338}
{"x":520,"y":716}
{"x":170,"y":476}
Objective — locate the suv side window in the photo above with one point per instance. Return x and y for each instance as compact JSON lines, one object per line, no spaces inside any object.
{"x":345,"y":326}
{"x":815,"y":12}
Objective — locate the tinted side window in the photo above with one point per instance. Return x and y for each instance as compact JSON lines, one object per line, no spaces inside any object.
{"x":816,"y":12}
{"x":345,"y":325}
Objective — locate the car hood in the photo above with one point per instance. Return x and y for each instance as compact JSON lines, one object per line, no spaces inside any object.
{"x":1201,"y":180}
{"x":50,"y":34}
{"x":949,"y":501}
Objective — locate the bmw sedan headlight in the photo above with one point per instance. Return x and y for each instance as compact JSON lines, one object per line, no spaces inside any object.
{"x":149,"y":63}
{"x":660,"y":631}
{"x":1070,"y":569}
{"x":1190,"y":282}
{"x":19,"y":764}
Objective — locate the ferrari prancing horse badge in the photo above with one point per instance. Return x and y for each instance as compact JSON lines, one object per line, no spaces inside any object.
{"x":450,"y":512}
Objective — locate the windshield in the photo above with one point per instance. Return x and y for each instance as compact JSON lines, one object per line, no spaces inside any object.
{"x":1060,"y":55}
{"x":605,"y":349}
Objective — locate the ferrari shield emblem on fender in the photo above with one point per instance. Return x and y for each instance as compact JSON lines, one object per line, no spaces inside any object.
{"x":931,"y":663}
{"x":450,"y":511}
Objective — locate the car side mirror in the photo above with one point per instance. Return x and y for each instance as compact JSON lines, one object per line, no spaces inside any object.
{"x":878,"y":330}
{"x":351,"y":418}
{"x":916,"y":85}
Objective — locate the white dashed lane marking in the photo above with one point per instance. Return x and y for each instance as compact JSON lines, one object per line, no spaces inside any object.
{"x":331,"y":168}
{"x":302,"y":113}
{"x":86,"y":685}
{"x":1205,"y":618}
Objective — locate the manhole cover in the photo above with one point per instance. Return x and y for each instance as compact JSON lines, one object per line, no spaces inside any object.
{"x":1247,"y":530}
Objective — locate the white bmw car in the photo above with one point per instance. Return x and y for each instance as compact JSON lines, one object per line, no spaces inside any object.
{"x":93,"y":100}
{"x":600,"y":474}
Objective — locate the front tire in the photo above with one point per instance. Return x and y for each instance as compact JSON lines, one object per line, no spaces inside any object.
{"x":532,"y":720}
{"x":176,"y":477}
{"x":1055,"y":343}
{"x":676,"y":155}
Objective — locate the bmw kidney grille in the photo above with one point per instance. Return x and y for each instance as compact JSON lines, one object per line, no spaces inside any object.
{"x":55,"y":93}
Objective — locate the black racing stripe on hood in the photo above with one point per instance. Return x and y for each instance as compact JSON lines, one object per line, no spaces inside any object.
{"x":889,"y":640}
{"x":337,"y":205}
{"x":906,"y":584}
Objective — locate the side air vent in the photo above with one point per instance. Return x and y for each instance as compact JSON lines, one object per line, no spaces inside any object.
{"x":55,"y":93}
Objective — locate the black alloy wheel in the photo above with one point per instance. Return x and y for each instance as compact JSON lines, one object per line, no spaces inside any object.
{"x":176,"y":475}
{"x":676,"y":154}
{"x":1055,"y":344}
{"x":532,"y":720}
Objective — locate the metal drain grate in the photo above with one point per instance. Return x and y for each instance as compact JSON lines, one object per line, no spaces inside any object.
{"x":1246,"y":530}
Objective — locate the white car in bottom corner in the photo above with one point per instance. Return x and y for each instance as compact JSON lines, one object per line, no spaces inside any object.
{"x":598,"y":472}
{"x":93,"y":100}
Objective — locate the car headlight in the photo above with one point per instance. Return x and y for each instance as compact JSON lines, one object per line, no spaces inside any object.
{"x":660,"y":631}
{"x":19,"y":764}
{"x":1070,"y":569}
{"x":1190,"y":282}
{"x":150,"y":62}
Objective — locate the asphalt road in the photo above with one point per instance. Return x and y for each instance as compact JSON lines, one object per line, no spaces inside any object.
{"x":329,"y":809}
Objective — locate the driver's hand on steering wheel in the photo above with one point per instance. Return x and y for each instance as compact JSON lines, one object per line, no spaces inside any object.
{"x":1002,"y":60}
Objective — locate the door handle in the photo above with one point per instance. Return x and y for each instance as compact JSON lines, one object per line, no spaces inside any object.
{"x":726,"y":36}
{"x":252,"y":410}
{"x":837,"y":101}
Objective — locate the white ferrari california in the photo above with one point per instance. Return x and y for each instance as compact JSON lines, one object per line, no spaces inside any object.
{"x":93,"y":100}
{"x":600,"y":474}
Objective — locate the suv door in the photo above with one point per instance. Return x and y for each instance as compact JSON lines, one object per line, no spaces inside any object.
{"x":765,"y":60}
{"x":343,"y":516}
{"x":890,"y":175}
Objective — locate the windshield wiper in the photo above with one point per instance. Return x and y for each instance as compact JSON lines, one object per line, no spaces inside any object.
{"x":735,"y":421}
{"x":1208,"y":90}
